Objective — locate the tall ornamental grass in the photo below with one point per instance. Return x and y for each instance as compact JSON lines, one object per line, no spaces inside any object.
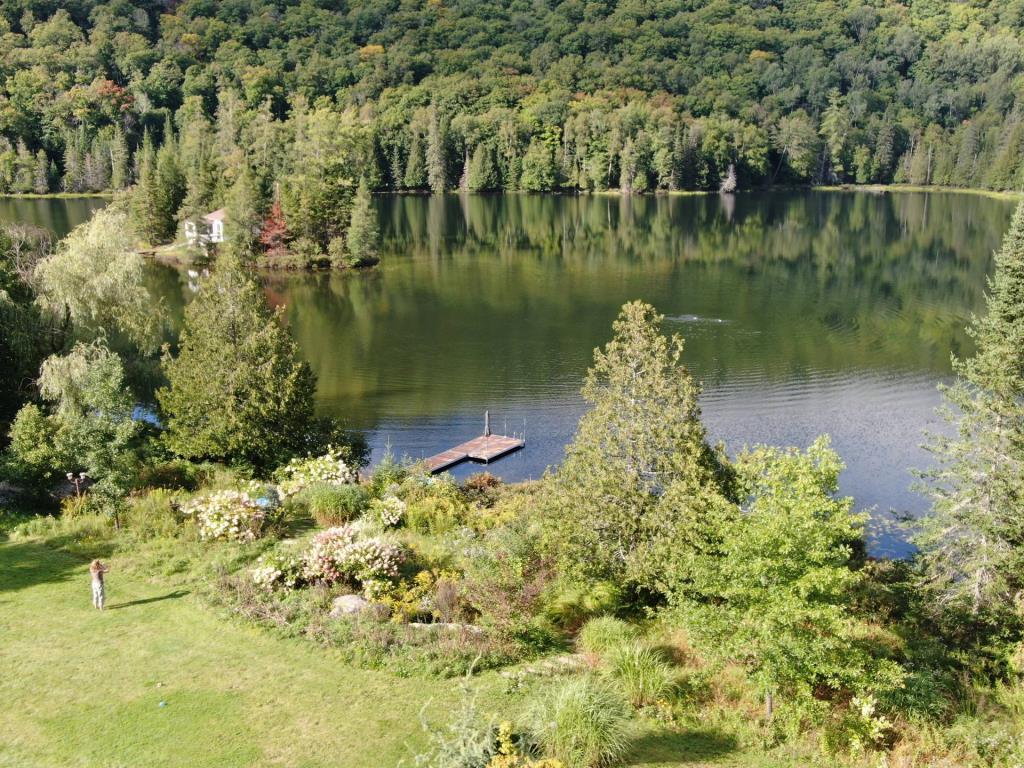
{"x":641,"y":672}
{"x":604,"y":634}
{"x":584,"y":723}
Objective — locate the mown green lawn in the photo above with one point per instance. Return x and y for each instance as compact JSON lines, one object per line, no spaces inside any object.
{"x":81,"y":688}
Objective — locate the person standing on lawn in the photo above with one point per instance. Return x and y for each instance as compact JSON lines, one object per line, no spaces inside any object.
{"x":96,"y":570}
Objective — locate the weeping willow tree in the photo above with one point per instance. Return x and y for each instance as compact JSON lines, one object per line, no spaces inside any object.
{"x":95,"y":280}
{"x":26,"y":334}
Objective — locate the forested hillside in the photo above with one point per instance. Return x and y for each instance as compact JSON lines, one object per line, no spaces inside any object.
{"x":429,"y":94}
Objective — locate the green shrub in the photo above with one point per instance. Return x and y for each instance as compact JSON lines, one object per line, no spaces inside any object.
{"x":386,"y":474}
{"x":571,"y":603}
{"x":174,"y":474}
{"x":152,"y":516}
{"x":645,"y":677}
{"x":584,"y":722}
{"x":857,"y":729}
{"x":332,"y":505}
{"x":434,"y":514}
{"x":303,"y":253}
{"x":86,"y":535}
{"x":603,"y":635}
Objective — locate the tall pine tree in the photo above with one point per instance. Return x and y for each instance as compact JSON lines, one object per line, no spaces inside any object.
{"x":363,"y":233}
{"x":170,"y":180}
{"x":972,"y":542}
{"x":145,"y":200}
{"x":437,"y":167}
{"x":119,"y":160}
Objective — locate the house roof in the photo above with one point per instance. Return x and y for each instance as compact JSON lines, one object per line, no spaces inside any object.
{"x":219,"y":215}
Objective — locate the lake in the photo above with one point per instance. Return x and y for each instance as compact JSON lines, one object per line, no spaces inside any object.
{"x":59,"y":215}
{"x":803,"y":313}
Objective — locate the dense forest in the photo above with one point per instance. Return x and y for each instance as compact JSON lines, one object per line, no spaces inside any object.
{"x":220,"y":103}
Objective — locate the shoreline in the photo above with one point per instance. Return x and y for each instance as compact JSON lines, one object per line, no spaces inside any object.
{"x":56,"y":195}
{"x":879,"y":189}
{"x":868,"y":188}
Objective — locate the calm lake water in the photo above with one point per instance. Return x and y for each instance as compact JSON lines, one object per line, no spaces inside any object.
{"x":59,"y":215}
{"x":804,"y":313}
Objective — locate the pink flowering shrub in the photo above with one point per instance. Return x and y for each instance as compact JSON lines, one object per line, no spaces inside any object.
{"x":342,"y":554}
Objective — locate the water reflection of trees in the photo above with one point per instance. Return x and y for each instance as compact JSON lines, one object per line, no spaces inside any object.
{"x":508,"y":295}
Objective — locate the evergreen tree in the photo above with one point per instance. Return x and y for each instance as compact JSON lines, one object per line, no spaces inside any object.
{"x":437,"y":164}
{"x":972,"y":541}
{"x":97,"y":166}
{"x":74,"y":163}
{"x":483,"y":174}
{"x":885,"y":152}
{"x":967,"y":157}
{"x":627,"y":167}
{"x":119,"y":160}
{"x":145,"y":199}
{"x":835,"y":129}
{"x":41,"y":174}
{"x":362,"y":237}
{"x":170,"y":186}
{"x":25,"y":165}
{"x":690,"y":176}
{"x":199,"y":189}
{"x":416,"y":166}
{"x":642,"y":435}
{"x":237,"y":390}
{"x":244,"y":213}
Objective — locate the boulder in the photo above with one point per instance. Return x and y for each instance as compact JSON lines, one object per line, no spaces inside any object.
{"x":348,"y":605}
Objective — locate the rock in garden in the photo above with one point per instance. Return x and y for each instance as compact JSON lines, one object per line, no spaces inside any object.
{"x":348,"y":605}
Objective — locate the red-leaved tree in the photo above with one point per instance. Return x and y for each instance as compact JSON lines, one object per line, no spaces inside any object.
{"x":274,"y":230}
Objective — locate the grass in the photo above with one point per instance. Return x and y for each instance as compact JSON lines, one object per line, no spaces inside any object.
{"x":83,"y":688}
{"x":79,"y":687}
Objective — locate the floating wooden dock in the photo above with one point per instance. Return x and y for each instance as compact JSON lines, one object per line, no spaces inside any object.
{"x":483,"y":449}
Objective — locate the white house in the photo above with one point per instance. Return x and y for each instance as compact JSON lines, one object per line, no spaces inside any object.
{"x":206,"y":229}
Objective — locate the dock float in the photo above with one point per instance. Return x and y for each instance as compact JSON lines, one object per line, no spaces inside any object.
{"x":483,"y":449}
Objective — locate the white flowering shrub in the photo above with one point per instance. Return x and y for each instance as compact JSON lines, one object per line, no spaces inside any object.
{"x":279,"y":571}
{"x":388,"y":511}
{"x":329,"y":469}
{"x":230,"y":515}
{"x":342,"y":554}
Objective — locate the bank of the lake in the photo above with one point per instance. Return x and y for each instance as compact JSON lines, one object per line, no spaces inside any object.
{"x":804,"y":312}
